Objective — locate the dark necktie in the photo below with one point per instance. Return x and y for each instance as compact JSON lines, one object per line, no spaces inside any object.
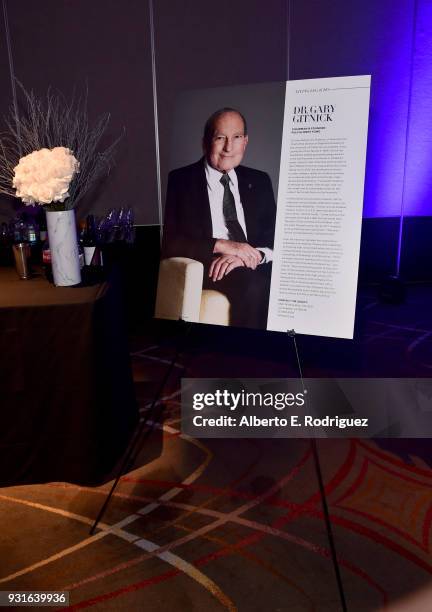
{"x":234,"y":228}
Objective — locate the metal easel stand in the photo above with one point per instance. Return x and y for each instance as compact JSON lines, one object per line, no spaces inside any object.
{"x":291,"y":333}
{"x":142,"y":431}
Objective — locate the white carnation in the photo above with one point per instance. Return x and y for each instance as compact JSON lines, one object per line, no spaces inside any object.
{"x":44,"y":176}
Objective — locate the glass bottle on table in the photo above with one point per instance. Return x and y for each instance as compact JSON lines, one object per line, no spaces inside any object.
{"x":6,"y":257}
{"x":81,"y":238}
{"x":46,"y":261}
{"x":19,"y":231}
{"x":92,"y":255}
{"x":41,"y":221}
{"x":32,"y":237}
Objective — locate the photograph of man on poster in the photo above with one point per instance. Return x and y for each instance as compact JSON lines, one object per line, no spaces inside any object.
{"x":223,"y":214}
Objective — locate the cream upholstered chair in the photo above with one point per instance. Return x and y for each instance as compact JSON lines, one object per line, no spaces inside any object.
{"x":180,"y":294}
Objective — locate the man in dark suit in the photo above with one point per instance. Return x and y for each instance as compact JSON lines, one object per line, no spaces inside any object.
{"x":223,"y":214}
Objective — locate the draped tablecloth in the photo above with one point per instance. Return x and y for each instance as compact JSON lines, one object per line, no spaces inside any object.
{"x":67,"y":403}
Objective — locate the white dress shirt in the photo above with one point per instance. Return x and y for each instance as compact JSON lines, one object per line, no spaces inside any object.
{"x":215,"y":191}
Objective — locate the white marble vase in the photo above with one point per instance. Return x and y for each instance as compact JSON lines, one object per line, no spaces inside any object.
{"x":62,"y":236}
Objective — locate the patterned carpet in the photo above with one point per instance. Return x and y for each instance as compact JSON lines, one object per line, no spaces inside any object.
{"x":238,"y":524}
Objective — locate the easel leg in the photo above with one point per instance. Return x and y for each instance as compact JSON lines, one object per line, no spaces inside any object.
{"x":324,"y":504}
{"x":139,"y":435}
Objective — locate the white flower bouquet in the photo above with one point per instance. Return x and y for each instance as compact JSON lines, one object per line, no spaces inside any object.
{"x":44,"y":176}
{"x":50,"y":155}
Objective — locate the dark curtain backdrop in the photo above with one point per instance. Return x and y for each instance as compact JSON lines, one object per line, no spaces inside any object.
{"x":5,"y":100}
{"x":202,"y":45}
{"x":106,"y":43}
{"x":67,"y":43}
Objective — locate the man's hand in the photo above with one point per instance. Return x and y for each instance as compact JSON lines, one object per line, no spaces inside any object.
{"x":223,"y":265}
{"x":250,"y":256}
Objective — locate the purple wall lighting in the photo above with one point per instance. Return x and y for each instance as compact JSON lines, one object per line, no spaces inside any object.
{"x":389,"y":55}
{"x":399,"y":164}
{"x":392,"y":42}
{"x":418,"y":191}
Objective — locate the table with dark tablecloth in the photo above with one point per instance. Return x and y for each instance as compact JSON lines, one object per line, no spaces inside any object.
{"x":67,"y":403}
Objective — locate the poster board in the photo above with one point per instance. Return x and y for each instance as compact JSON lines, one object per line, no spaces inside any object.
{"x":319,"y":206}
{"x":317,"y":136}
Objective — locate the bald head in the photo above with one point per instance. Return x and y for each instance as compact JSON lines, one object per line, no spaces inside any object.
{"x":225,"y":139}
